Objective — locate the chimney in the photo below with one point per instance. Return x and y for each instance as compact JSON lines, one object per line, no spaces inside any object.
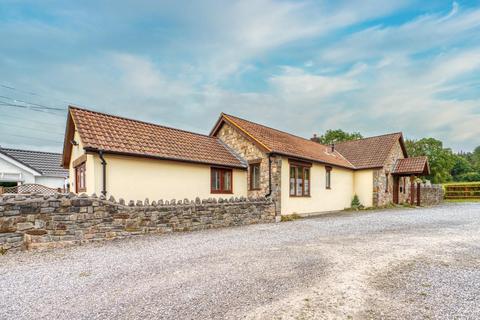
{"x":315,"y":138}
{"x":332,"y":147}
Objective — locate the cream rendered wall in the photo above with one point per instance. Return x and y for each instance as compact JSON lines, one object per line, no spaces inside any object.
{"x":78,"y":151}
{"x":363,"y":186}
{"x":134,"y":178}
{"x":321,"y":199}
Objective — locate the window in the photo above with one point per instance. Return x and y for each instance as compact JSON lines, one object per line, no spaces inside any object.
{"x":255,"y":176}
{"x":221,"y":180}
{"x":80,"y":178}
{"x":328,"y":177}
{"x":299,"y":181}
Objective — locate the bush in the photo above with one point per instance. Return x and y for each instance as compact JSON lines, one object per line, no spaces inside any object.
{"x":355,"y":204}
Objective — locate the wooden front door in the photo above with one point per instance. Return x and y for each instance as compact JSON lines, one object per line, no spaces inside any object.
{"x":396,"y":187}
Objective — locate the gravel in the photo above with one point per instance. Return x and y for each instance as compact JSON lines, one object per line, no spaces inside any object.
{"x":406,"y":263}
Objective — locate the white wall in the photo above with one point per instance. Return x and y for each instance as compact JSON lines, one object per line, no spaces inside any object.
{"x":8,"y":168}
{"x":321,"y":199}
{"x":51,"y":182}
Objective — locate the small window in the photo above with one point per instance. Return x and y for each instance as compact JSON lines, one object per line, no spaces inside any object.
{"x":221,"y":180}
{"x":328,"y":177}
{"x":299,"y":181}
{"x":80,"y":178}
{"x":255,"y":176}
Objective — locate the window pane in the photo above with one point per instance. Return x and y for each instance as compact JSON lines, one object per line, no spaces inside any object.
{"x":307,"y":181}
{"x":227,"y":181}
{"x":255,"y":176}
{"x":328,"y":179}
{"x":298,"y":172}
{"x":215,"y":180}
{"x":292,"y":181}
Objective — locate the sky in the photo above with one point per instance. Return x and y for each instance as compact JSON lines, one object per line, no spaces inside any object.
{"x":299,"y":66}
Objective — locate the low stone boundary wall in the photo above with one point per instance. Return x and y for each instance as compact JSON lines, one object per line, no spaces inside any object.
{"x":430,"y":194}
{"x":41,"y":222}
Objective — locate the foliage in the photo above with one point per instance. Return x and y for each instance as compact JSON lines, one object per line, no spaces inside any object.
{"x":442,"y":160}
{"x":334,"y":136}
{"x":355,"y":204}
{"x":290,"y":217}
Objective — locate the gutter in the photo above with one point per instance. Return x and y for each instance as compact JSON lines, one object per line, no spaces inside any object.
{"x":104,"y":173}
{"x":269,"y":176}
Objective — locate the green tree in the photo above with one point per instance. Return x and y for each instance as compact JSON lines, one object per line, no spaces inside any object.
{"x":334,"y":136}
{"x":461,"y":166}
{"x":442,"y":160}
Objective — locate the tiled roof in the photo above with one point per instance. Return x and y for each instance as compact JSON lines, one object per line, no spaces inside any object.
{"x":114,"y":134}
{"x":369,"y":152}
{"x":280,"y":142}
{"x":414,"y":165}
{"x":46,"y":163}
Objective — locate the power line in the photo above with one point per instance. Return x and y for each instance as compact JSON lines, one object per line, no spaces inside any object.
{"x":34,"y":138}
{"x":33,"y":93}
{"x":35,"y":129}
{"x":33,"y":108}
{"x":34,"y":104}
{"x":29,"y":119}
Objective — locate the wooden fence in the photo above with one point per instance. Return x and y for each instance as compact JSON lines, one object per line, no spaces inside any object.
{"x":462,"y":191}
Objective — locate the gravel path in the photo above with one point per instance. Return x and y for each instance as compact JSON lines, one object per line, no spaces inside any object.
{"x":411,"y":264}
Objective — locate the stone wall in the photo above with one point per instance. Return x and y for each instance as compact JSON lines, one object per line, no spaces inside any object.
{"x":38,"y":222}
{"x":382,"y":196}
{"x":249,"y":151}
{"x":430,"y":194}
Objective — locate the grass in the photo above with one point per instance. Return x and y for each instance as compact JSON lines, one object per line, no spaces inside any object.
{"x":290,"y":217}
{"x":461,"y":200}
{"x":460,"y":183}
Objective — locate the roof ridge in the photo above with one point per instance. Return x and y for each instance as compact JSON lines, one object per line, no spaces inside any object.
{"x":13,"y":149}
{"x":372,"y":137}
{"x":140,"y":121}
{"x":259,"y":124}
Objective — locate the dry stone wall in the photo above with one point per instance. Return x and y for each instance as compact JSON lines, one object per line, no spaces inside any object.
{"x":40,"y":222}
{"x":430,"y":194}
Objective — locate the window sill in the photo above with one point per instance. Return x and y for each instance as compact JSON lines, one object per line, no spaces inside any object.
{"x":257,"y":189}
{"x":221,"y":192}
{"x":300,"y":196}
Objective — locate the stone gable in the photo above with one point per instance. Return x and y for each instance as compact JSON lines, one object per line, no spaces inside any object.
{"x":249,"y":151}
{"x":381,"y":196}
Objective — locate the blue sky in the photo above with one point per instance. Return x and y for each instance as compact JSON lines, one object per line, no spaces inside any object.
{"x":300,"y":66}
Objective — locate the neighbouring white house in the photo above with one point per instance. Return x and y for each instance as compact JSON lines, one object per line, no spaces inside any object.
{"x":20,"y":167}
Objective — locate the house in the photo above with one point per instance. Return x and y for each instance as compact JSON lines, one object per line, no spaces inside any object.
{"x":21,"y":167}
{"x":126,"y":158}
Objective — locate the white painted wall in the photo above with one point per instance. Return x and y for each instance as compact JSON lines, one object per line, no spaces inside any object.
{"x":51,"y":182}
{"x":10,"y":173}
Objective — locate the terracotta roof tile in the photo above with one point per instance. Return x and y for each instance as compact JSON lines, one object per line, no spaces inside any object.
{"x":370,"y":152}
{"x":120,"y":135}
{"x":287,"y":144}
{"x":415,"y":165}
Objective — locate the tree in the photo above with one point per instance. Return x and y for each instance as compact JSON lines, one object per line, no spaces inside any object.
{"x":442,"y":160}
{"x":334,"y":136}
{"x":461,"y":167}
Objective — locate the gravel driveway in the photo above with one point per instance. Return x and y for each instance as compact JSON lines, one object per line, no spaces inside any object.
{"x":408,"y":263}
